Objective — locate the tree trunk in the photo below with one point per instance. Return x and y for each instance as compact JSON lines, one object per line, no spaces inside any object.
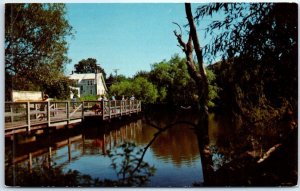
{"x":202,"y":83}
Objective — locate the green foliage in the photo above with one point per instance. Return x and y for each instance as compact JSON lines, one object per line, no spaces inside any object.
{"x":88,"y":66}
{"x":88,"y":98}
{"x":213,"y":89}
{"x":144,"y":90}
{"x":35,"y":44}
{"x":140,"y":87}
{"x":143,"y":74}
{"x":167,"y":82}
{"x":59,"y":87}
{"x":129,"y":165}
{"x":174,"y":84}
{"x":259,"y":41}
{"x":115,"y":79}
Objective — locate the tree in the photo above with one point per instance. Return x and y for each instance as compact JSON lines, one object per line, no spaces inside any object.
{"x":144,"y":90}
{"x":143,"y":74}
{"x":59,"y":87}
{"x":259,"y":44}
{"x":140,"y":87}
{"x":35,"y":39}
{"x":213,"y":88}
{"x":198,"y":73}
{"x":174,"y":84}
{"x":161,"y":76}
{"x":89,"y":66}
{"x":115,"y":79}
{"x":121,"y":88}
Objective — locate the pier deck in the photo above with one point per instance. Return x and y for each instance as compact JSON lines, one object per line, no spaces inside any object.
{"x":28,"y":116}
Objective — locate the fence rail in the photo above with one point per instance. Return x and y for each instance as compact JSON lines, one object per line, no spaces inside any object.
{"x":26,"y":116}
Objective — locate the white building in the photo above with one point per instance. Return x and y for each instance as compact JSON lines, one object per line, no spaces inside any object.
{"x":89,"y":84}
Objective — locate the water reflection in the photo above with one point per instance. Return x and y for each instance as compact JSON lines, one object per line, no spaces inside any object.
{"x":87,"y":150}
{"x":178,"y":145}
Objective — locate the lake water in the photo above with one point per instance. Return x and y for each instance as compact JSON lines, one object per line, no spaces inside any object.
{"x":174,"y":154}
{"x":111,"y":154}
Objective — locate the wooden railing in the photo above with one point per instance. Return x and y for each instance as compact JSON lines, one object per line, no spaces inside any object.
{"x":25,"y":116}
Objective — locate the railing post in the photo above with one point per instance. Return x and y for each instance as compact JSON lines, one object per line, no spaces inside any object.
{"x":28,"y":116}
{"x":48,"y":113}
{"x":134,"y":106}
{"x":82,"y":111}
{"x":11,"y":113}
{"x":68,"y":112}
{"x":109,"y":109}
{"x":127,"y":107}
{"x":140,"y":106}
{"x":55,"y":107}
{"x":121,"y":105}
{"x":35,"y":110}
{"x":103,"y":109}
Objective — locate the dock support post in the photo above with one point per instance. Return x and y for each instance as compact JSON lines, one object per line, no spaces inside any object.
{"x":30,"y":162}
{"x":69,"y":150}
{"x":28,"y":116}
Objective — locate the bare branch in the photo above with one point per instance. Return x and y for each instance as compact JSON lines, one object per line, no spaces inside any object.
{"x":268,"y":153}
{"x":178,"y":27}
{"x":180,"y":41}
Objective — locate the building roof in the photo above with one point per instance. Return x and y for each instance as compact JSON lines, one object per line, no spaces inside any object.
{"x":87,"y":76}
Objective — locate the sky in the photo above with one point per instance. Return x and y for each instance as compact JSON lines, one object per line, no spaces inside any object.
{"x":128,"y":37}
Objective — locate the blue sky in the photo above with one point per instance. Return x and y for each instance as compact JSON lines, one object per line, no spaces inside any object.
{"x":129,"y":37}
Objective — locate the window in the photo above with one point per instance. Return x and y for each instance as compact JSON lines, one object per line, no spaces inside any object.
{"x":90,"y":82}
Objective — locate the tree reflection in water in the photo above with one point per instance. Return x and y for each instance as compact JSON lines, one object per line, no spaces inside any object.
{"x":131,"y":170}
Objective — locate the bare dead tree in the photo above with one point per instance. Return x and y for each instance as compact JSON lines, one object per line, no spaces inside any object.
{"x":198,"y":74}
{"x":200,"y":77}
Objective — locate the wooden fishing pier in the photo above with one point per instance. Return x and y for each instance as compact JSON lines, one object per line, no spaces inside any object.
{"x":35,"y":115}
